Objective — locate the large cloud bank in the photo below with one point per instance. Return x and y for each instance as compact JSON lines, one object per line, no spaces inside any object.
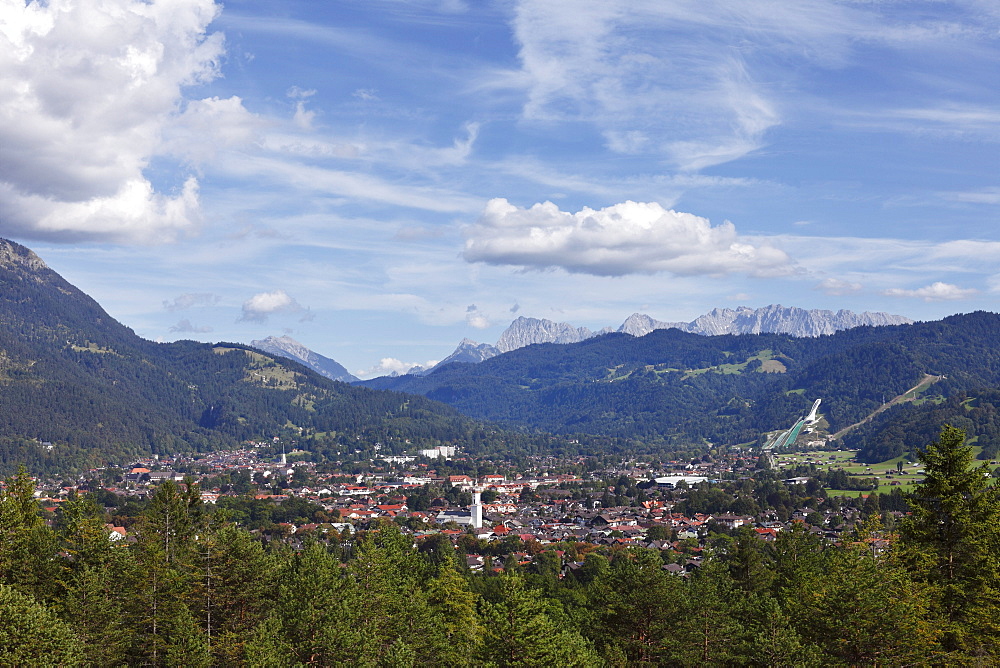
{"x":627,"y":238}
{"x":87,"y":88}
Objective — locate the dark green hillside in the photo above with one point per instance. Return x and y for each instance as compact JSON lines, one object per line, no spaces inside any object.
{"x":73,"y":377}
{"x":674,"y":386}
{"x":904,"y":430}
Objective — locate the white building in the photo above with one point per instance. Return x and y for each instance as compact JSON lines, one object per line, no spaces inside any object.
{"x":671,"y":481}
{"x":441,"y":451}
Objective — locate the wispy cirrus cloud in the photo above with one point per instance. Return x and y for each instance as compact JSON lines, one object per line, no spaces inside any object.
{"x":838,"y":287}
{"x":191,"y":300}
{"x":329,"y":180}
{"x":703,"y":83}
{"x":664,"y":78}
{"x":185,"y":327}
{"x":989,"y":196}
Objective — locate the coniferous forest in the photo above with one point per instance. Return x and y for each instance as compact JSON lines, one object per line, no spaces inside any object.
{"x":196,"y":589}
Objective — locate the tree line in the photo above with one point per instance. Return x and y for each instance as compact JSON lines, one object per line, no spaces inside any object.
{"x":196,"y":589}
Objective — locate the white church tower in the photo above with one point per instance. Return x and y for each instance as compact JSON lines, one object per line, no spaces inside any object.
{"x":477,"y":510}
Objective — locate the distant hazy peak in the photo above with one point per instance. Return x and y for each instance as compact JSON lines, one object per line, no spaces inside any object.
{"x":285,"y":343}
{"x":773,"y":319}
{"x":286,"y":346}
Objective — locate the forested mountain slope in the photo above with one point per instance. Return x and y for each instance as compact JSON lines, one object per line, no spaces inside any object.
{"x":678,"y":386}
{"x":78,"y":388}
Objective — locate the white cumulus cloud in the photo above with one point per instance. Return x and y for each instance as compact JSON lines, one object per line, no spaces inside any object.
{"x":627,"y":238}
{"x":263,"y":304}
{"x":934,"y":292}
{"x":476,"y":318}
{"x":390,"y":365}
{"x":87,"y":89}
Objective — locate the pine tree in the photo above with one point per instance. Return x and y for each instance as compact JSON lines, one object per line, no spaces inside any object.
{"x":519,"y":631}
{"x":166,"y":553}
{"x":234,"y":588}
{"x":393,"y":577}
{"x":636,"y":605}
{"x":82,"y":533}
{"x":708,"y":628}
{"x":316,"y":619}
{"x":768,"y":636}
{"x":749,"y":566}
{"x":453,"y":606}
{"x":952,"y":541}
{"x":862,"y":608}
{"x":186,"y":644}
{"x":27,"y":545}
{"x":31,"y":635}
{"x":94,"y":603}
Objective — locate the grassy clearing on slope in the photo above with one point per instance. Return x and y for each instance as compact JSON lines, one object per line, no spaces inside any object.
{"x":886,"y":472}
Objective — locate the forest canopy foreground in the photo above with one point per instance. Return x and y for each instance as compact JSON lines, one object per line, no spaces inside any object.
{"x":196,"y":589}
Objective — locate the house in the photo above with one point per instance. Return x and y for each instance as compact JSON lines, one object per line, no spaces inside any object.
{"x":135,"y":475}
{"x":462,"y":481}
{"x":464,"y":517}
{"x":160,"y":476}
{"x":671,"y":481}
{"x":767,"y":534}
{"x":116,"y":534}
{"x":500,"y":508}
{"x":732,"y":521}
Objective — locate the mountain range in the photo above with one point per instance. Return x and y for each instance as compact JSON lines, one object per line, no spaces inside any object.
{"x":675,"y":387}
{"x":80,"y":389}
{"x":773,"y":319}
{"x":522,"y":332}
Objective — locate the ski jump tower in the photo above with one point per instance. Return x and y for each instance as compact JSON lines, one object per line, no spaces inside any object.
{"x":812,"y":414}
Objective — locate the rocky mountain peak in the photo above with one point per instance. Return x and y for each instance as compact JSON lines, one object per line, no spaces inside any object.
{"x":13,"y":255}
{"x":772,"y":319}
{"x":639,"y":324}
{"x":527,"y":331}
{"x":286,"y":346}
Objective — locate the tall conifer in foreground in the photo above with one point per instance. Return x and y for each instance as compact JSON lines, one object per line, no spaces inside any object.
{"x":952,"y":541}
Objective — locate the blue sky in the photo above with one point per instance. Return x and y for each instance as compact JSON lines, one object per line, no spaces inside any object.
{"x":381,"y":178}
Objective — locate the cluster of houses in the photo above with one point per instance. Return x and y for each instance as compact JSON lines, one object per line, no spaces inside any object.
{"x":549,"y":514}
